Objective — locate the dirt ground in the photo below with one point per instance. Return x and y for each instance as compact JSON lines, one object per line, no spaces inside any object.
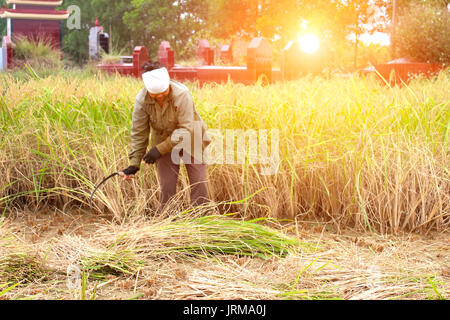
{"x":326,"y":266}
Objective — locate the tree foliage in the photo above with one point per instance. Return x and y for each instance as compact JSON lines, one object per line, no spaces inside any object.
{"x":153,"y":21}
{"x":423,"y":33}
{"x":76,"y":41}
{"x":234,"y":18}
{"x":109,"y":14}
{"x":2,"y":22}
{"x":184,"y":22}
{"x":270,"y":18}
{"x":403,"y":5}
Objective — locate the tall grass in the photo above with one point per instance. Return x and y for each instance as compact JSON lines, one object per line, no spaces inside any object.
{"x":354,"y":152}
{"x":111,"y":58}
{"x":37,"y":53}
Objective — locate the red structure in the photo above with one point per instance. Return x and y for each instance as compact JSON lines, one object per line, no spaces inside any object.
{"x":226,"y":53}
{"x":259,"y":64}
{"x":294,"y":64}
{"x":259,"y":60}
{"x":134,"y":69}
{"x":166,"y":55}
{"x":205,"y":54}
{"x":402,"y":70}
{"x":290,"y":64}
{"x":35,"y":19}
{"x":239,"y":50}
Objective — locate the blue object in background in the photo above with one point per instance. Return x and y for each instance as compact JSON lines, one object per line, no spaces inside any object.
{"x":2,"y":58}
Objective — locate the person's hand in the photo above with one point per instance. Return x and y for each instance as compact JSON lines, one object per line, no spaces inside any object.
{"x":152,"y":156}
{"x":128,"y":173}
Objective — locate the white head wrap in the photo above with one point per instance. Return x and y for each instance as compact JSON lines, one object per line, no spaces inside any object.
{"x":156,"y":81}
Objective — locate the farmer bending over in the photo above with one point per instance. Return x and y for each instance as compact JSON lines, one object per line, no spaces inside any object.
{"x":166,"y":106}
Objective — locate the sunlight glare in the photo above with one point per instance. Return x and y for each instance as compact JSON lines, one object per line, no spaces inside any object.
{"x":309,"y":43}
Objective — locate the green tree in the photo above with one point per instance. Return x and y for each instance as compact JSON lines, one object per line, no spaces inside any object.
{"x":401,"y":8}
{"x":76,"y":41}
{"x":2,"y":21}
{"x":285,"y":18}
{"x":282,"y":19}
{"x":423,"y":33}
{"x":234,"y":17}
{"x":359,"y":18}
{"x":110,"y":15}
{"x":403,"y":5}
{"x":152,"y":21}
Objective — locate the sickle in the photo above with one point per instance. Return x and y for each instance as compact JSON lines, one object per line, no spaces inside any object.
{"x":103,"y":181}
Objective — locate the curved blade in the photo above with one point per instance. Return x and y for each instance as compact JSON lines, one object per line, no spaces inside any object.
{"x":103,"y":181}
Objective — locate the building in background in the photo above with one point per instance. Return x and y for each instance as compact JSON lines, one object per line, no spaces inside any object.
{"x":35,"y":19}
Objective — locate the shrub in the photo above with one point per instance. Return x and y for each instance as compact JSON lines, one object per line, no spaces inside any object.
{"x":37,"y":53}
{"x":423,"y":33}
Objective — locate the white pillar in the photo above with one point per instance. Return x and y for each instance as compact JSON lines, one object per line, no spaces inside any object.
{"x":8,"y":27}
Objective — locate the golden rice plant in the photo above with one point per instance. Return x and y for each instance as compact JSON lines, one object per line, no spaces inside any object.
{"x":353,"y":152}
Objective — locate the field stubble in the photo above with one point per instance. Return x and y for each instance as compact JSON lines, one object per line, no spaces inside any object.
{"x":142,"y":259}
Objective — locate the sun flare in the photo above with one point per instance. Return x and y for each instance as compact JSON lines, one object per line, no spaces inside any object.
{"x":309,"y":43}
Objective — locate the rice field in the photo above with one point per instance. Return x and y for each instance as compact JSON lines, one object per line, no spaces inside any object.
{"x":358,"y":209}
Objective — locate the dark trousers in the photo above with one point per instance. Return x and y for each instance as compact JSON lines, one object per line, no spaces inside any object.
{"x":168,"y":177}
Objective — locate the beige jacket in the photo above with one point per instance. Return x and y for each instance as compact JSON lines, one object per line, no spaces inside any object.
{"x":177,"y":112}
